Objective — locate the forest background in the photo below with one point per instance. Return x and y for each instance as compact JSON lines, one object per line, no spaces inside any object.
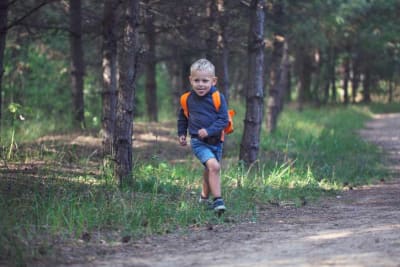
{"x":309,"y":72}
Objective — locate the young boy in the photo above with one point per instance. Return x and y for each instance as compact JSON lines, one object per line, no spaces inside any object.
{"x":205,"y":125}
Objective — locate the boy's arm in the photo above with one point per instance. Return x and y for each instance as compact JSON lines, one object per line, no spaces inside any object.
{"x":222,"y":120}
{"x":182,"y":125}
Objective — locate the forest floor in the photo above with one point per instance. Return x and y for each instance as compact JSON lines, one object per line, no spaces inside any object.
{"x":358,"y":227}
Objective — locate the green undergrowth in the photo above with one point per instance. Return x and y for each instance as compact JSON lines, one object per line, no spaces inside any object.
{"x":312,"y":153}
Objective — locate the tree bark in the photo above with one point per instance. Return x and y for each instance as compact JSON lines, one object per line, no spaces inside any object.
{"x":109,"y":97}
{"x":175,"y":72}
{"x":332,"y":74}
{"x":355,"y":80}
{"x":77,"y":63}
{"x":284,"y":81}
{"x":212,"y":35}
{"x":391,"y":85}
{"x":250,"y":144}
{"x":223,"y":50}
{"x":367,"y":86}
{"x":304,"y":68}
{"x":275,"y":76}
{"x":3,"y":34}
{"x":318,"y":73}
{"x":217,"y":43}
{"x":274,"y":97}
{"x":326,"y":61}
{"x":346,"y":78}
{"x":288,"y":88}
{"x":151,"y":84}
{"x":126,"y":91}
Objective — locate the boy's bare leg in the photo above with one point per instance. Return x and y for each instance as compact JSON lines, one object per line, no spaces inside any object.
{"x":214,"y":181}
{"x":205,"y":191}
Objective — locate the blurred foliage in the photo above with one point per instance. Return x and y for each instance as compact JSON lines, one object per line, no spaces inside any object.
{"x":37,"y":52}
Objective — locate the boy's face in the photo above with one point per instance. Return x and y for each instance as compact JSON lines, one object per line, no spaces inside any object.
{"x":202,"y":81}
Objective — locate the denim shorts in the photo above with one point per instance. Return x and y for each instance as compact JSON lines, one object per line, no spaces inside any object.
{"x":204,"y":151}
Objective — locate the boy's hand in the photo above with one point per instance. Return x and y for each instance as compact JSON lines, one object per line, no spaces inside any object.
{"x":182,"y":140}
{"x":202,"y":133}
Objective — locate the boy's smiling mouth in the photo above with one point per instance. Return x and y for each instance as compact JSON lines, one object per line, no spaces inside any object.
{"x":201,"y":91}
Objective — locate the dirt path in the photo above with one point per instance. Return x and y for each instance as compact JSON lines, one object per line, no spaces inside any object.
{"x":359,"y":227}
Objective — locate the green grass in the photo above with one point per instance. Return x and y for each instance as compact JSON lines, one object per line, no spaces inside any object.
{"x":326,"y":143}
{"x":385,"y":107}
{"x":312,"y":153}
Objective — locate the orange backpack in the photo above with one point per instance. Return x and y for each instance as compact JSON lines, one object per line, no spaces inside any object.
{"x":217,"y":104}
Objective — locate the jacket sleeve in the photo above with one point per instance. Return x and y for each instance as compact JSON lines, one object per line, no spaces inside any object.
{"x":222,"y":119}
{"x":182,"y":123}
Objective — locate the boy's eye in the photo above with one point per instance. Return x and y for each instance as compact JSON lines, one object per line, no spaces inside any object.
{"x":202,"y":80}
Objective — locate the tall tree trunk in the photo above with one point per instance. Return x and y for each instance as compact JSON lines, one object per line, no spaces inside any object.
{"x":185,"y":71}
{"x":126,"y":91}
{"x":151,"y":84}
{"x":367,"y":86}
{"x":275,"y":77}
{"x":288,"y":88}
{"x":274,"y":97}
{"x":223,"y":50}
{"x":326,"y":59}
{"x":175,"y":72}
{"x":109,"y":96}
{"x":284,"y":81}
{"x":391,"y":85}
{"x":326,"y":92}
{"x":346,"y":77}
{"x":332,"y":74}
{"x":77,"y":63}
{"x":3,"y":34}
{"x":212,"y":35}
{"x":299,"y":69}
{"x":255,"y":85}
{"x":307,"y":77}
{"x":304,"y":66}
{"x":318,"y":77}
{"x":355,"y":80}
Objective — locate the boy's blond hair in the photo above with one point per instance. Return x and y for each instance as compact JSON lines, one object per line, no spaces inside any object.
{"x":202,"y":65}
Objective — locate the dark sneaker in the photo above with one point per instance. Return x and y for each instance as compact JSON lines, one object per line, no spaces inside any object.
{"x":219,"y":206}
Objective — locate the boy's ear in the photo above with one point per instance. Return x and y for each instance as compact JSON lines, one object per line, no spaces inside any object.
{"x":215,"y":80}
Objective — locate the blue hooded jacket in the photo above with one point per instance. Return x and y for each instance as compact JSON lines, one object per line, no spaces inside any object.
{"x":203,"y":114}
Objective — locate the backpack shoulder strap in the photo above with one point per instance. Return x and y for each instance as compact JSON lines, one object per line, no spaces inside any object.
{"x":216,"y":100}
{"x":184,"y":105}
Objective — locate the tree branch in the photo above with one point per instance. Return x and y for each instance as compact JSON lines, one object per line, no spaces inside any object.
{"x":30,"y":12}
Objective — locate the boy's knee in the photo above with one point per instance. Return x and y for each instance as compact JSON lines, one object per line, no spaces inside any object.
{"x":213,"y":165}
